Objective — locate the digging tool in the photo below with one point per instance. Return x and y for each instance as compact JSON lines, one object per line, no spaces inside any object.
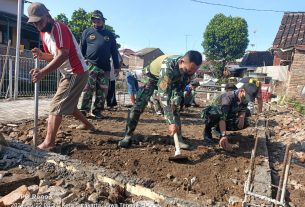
{"x":36,"y":108}
{"x":178,"y":156}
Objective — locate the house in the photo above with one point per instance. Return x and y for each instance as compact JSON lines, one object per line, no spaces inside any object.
{"x":125,"y":53}
{"x":254,"y":59}
{"x":289,"y":49}
{"x":8,"y":28}
{"x":143,"y":57}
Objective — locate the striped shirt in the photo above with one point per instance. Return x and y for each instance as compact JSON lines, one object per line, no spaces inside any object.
{"x":62,"y":37}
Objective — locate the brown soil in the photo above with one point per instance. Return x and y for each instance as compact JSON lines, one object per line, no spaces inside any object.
{"x":218,"y":174}
{"x":295,"y":195}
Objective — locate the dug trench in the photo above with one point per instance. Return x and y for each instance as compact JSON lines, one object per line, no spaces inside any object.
{"x":211,"y":176}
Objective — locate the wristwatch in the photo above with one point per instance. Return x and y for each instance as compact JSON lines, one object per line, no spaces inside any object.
{"x":222,"y":134}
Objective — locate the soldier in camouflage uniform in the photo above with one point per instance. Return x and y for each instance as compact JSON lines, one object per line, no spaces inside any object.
{"x":97,"y":46}
{"x":168,"y":75}
{"x":228,"y":112}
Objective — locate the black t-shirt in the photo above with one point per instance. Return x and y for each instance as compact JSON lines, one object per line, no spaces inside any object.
{"x":251,"y":87}
{"x":230,"y":104}
{"x":97,"y":46}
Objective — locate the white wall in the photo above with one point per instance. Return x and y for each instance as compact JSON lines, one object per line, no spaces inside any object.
{"x":276,"y":72}
{"x":9,"y":6}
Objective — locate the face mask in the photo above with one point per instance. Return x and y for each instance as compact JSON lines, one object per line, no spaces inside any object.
{"x":98,"y":27}
{"x":47,"y":28}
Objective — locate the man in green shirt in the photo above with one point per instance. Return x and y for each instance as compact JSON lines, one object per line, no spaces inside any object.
{"x":169,"y":75}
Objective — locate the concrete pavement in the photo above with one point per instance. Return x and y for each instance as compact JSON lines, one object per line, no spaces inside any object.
{"x":12,"y":111}
{"x":20,"y":109}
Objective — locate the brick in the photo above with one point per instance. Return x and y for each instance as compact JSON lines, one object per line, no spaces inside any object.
{"x":16,"y":196}
{"x":10,"y":183}
{"x":69,"y":199}
{"x":33,"y":189}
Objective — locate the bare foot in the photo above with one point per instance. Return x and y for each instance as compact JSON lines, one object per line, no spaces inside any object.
{"x":224,"y":144}
{"x":86,"y":127}
{"x":46,"y":147}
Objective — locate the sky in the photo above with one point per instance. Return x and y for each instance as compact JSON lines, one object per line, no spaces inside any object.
{"x":176,"y":26}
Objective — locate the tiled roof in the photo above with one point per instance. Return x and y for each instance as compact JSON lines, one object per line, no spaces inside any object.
{"x":257,"y":59}
{"x":291,"y":32}
{"x":126,"y":51}
{"x":145,"y":51}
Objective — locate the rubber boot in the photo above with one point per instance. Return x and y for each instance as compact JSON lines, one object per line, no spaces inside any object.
{"x":182,"y":144}
{"x":207,"y":135}
{"x":126,"y":142}
{"x":132,"y":122}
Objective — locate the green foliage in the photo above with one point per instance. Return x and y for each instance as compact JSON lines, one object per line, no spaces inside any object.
{"x":204,"y":67}
{"x":300,"y":107}
{"x":225,"y":39}
{"x":62,"y":17}
{"x":222,"y":80}
{"x":217,"y":68}
{"x":81,"y":20}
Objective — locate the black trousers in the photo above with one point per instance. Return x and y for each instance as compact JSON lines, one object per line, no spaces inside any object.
{"x":111,"y":99}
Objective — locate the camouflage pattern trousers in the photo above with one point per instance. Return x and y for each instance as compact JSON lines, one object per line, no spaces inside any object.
{"x":142,"y":97}
{"x":213,"y":114}
{"x":155,"y":99}
{"x":98,"y":83}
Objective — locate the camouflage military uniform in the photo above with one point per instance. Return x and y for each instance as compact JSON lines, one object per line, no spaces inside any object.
{"x":226,"y":108}
{"x":155,"y":99}
{"x":98,"y":83}
{"x":169,"y":82}
{"x":98,"y":45}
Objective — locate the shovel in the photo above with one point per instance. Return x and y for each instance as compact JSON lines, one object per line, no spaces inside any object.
{"x":178,"y":156}
{"x":36,"y":109}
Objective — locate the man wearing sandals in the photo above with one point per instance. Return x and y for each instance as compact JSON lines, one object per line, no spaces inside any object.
{"x":62,"y":53}
{"x":227,"y":113}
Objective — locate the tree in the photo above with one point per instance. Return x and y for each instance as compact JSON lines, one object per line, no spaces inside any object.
{"x":225,"y":39}
{"x":62,"y":17}
{"x":80,"y":20}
